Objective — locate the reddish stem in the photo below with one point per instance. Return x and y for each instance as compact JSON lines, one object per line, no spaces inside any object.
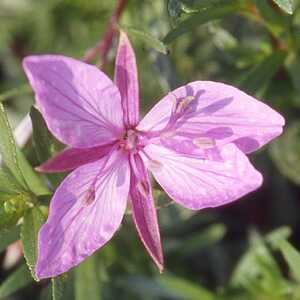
{"x":102,"y":48}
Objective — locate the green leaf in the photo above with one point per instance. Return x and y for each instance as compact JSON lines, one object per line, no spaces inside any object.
{"x":8,"y":149}
{"x":273,"y":20}
{"x":45,"y":144}
{"x":285,"y":5}
{"x":257,"y":79}
{"x":34,"y":181}
{"x":17,"y":280}
{"x":8,"y":183}
{"x":148,"y":39}
{"x":292,"y":257}
{"x":200,"y":18}
{"x":16,"y":161}
{"x":61,"y":287}
{"x":184,"y":288}
{"x":32,"y":222}
{"x":87,"y":284}
{"x":285,"y":152}
{"x":258,"y":272}
{"x":278,"y":235}
{"x":9,"y":236}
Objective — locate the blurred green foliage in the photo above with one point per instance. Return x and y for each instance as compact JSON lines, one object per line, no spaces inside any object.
{"x":246,"y":251}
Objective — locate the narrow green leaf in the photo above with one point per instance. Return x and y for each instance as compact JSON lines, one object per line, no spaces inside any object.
{"x":202,"y":17}
{"x":8,"y":148}
{"x":278,"y":235}
{"x":61,"y":287}
{"x":257,"y":270}
{"x":16,"y":161}
{"x":87,"y":283}
{"x":285,"y":152}
{"x":17,"y":280}
{"x":275,"y":22}
{"x":292,"y":257}
{"x":34,"y":181}
{"x":286,"y":5}
{"x":8,"y":183}
{"x":148,"y":39}
{"x":45,"y":144}
{"x":256,"y":80}
{"x":185,"y":288}
{"x":9,"y":236}
{"x":32,"y":222}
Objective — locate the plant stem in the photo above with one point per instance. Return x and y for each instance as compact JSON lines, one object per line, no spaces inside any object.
{"x":102,"y":48}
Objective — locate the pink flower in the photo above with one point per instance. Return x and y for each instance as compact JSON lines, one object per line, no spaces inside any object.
{"x":193,"y":142}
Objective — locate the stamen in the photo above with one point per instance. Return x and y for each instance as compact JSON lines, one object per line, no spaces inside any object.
{"x":174,"y":99}
{"x":90,"y":196}
{"x":204,"y":142}
{"x":184,"y":103}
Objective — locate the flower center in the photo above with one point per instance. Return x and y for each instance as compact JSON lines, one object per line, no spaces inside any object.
{"x":130,"y":140}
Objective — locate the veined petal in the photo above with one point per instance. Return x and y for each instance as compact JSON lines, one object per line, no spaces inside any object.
{"x":126,"y":78}
{"x":216,"y":112}
{"x":144,"y":211}
{"x":80,"y":104}
{"x":72,"y":158}
{"x":199,"y":183}
{"x":85,"y":212}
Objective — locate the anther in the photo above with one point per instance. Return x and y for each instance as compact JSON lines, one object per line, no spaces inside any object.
{"x":204,"y":142}
{"x":184,"y":103}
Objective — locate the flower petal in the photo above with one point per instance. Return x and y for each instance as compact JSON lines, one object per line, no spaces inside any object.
{"x":199,"y":183}
{"x":126,"y":78}
{"x":72,"y":158}
{"x":216,"y":112}
{"x":144,"y":211}
{"x":81,"y":105}
{"x":85,"y":212}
